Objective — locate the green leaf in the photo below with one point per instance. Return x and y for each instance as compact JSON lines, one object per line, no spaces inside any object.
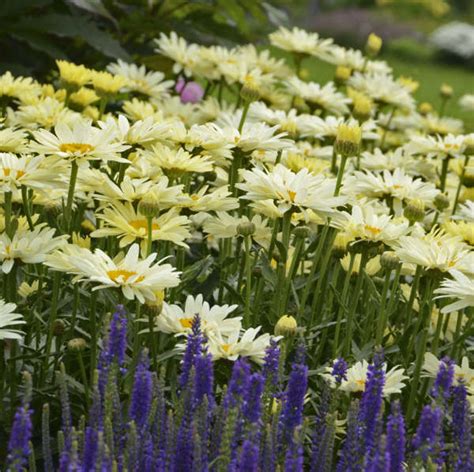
{"x":73,"y":27}
{"x":12,"y":8}
{"x":40,"y":43}
{"x":94,"y":6}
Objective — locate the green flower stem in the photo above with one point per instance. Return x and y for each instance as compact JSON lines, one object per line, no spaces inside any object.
{"x":26,"y":206}
{"x":149,"y":241}
{"x":75,"y":307}
{"x":461,"y":178}
{"x":281,"y":268}
{"x":52,"y":318}
{"x":386,"y":127}
{"x":426,"y":307}
{"x":83,"y":375}
{"x":444,"y":173}
{"x":94,"y":333}
{"x":457,"y":333}
{"x":234,"y":172}
{"x":309,"y":285}
{"x":340,"y":174}
{"x":248,"y":278}
{"x":353,"y":306}
{"x":151,"y":327}
{"x":322,"y":276}
{"x":463,"y":332}
{"x":291,"y":273}
{"x":382,"y":317}
{"x":334,"y":161}
{"x":275,"y":229}
{"x":342,"y":306}
{"x":410,"y":311}
{"x":7,"y":206}
{"x":70,"y":195}
{"x":244,"y":115}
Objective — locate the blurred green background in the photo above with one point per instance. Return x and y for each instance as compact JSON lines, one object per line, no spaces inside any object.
{"x":95,"y":32}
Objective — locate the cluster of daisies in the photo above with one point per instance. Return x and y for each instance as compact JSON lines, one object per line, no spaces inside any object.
{"x":114,"y":180}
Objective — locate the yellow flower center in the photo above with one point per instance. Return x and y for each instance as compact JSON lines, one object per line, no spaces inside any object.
{"x":195,"y":197}
{"x":292,"y":195}
{"x":225,"y":347}
{"x":73,"y":148}
{"x":186,"y":322}
{"x":114,"y":275}
{"x":7,"y":171}
{"x":373,"y":230}
{"x":142,"y":224}
{"x":360,"y":382}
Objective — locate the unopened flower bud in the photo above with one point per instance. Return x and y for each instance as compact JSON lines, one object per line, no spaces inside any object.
{"x":342,"y":74}
{"x":149,"y":206}
{"x":414,"y":211}
{"x":389,"y":260}
{"x":286,"y":326}
{"x":155,"y":307}
{"x":348,"y":140}
{"x":425,"y":108}
{"x":446,"y":91}
{"x":249,"y":91}
{"x":373,"y":45}
{"x":304,"y":74}
{"x":362,"y":107}
{"x":468,"y":179}
{"x":77,"y":344}
{"x":87,"y":226}
{"x":300,"y":105}
{"x":59,"y":327}
{"x":469,"y":145}
{"x":441,"y":202}
{"x":246,"y":228}
{"x":301,"y":232}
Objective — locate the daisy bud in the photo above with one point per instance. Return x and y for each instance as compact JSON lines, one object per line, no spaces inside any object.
{"x":249,"y":91}
{"x":415,"y":211}
{"x":301,"y":232}
{"x":446,"y":91}
{"x":441,"y":202}
{"x":425,"y":108}
{"x":149,"y":206}
{"x":80,"y":241}
{"x":469,"y":143}
{"x":362,"y":107}
{"x":389,"y":260}
{"x":286,"y":326}
{"x":342,"y":75}
{"x":77,"y":344}
{"x":348,"y":140}
{"x":88,"y":226}
{"x":300,"y":105}
{"x":304,"y":74}
{"x":373,"y":45}
{"x":155,"y":307}
{"x":468,"y":179}
{"x":59,"y":327}
{"x":246,"y":228}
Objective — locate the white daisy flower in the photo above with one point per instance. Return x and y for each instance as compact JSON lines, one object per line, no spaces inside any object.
{"x":460,"y":287}
{"x":214,"y":319}
{"x":80,"y":141}
{"x":9,"y":319}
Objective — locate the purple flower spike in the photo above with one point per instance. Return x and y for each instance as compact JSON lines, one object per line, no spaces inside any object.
{"x":142,"y":393}
{"x":462,"y":436}
{"x":18,"y":446}
{"x":339,"y":370}
{"x":396,"y":438}
{"x":427,"y":440}
{"x":444,"y":379}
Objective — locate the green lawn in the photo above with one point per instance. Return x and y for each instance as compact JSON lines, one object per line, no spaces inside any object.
{"x":429,"y":74}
